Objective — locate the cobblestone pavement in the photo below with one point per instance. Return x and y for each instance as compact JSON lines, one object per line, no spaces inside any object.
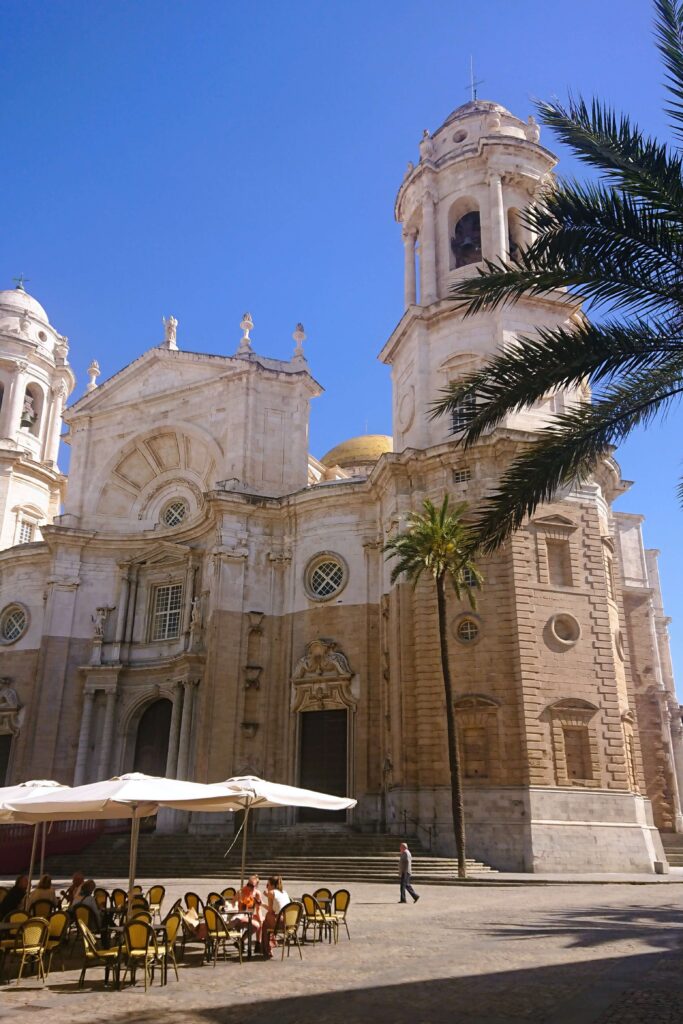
{"x":549,"y":954}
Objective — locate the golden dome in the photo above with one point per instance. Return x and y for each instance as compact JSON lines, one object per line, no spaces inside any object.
{"x":358,"y":451}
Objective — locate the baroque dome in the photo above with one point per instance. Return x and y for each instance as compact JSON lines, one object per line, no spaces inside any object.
{"x":365,"y":449}
{"x":17,"y":300}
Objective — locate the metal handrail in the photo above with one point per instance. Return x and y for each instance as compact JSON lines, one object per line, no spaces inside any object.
{"x":425,"y":828}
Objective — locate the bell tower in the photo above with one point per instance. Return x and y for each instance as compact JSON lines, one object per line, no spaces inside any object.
{"x":459,"y":205}
{"x":35,"y":381}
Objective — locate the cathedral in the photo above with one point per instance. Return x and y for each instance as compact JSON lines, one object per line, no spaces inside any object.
{"x":203,"y":597}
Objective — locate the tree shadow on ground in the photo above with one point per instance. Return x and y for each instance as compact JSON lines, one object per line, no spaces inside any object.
{"x":646,"y":987}
{"x":659,"y":927}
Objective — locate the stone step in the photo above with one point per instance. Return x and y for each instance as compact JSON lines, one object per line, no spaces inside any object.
{"x":352,"y":857}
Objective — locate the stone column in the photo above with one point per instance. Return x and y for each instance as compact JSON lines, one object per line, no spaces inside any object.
{"x":185,"y":729}
{"x":103,"y":767}
{"x":498,"y":227}
{"x":52,"y":441}
{"x":84,"y":738}
{"x":174,"y":733}
{"x":12,"y":417}
{"x":428,"y":251}
{"x":676,"y":729}
{"x":410,"y":284}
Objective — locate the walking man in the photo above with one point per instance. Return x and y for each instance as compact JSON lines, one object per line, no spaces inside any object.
{"x":405,"y":869}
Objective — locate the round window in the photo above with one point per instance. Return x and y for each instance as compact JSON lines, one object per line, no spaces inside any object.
{"x":467,"y":631}
{"x":326,"y":576}
{"x":460,"y":136}
{"x":13,"y":623}
{"x":565,"y":628}
{"x":174,"y":512}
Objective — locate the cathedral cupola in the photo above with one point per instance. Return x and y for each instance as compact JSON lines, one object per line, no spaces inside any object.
{"x":461,"y":204}
{"x":35,"y":381}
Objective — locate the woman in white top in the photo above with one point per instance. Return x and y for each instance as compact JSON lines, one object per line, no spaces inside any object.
{"x":276,"y":899}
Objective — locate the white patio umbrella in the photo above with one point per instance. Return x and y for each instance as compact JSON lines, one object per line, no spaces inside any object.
{"x":33,"y":788}
{"x":133,"y":796}
{"x":247,"y":792}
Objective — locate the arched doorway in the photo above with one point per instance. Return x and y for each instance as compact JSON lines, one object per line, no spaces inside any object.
{"x":323,"y":758}
{"x":151,"y":741}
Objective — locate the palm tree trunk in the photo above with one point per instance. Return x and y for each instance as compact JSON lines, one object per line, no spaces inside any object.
{"x":453,"y":752}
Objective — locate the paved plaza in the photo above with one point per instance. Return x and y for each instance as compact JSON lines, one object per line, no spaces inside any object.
{"x":561,"y":954}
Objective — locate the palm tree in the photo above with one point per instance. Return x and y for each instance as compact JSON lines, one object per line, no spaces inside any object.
{"x":618,"y":243}
{"x":437,"y":542}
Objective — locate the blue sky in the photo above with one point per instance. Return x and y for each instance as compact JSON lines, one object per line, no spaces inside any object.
{"x":202,"y":158}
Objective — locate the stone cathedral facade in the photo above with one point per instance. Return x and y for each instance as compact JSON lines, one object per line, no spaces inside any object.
{"x":203,"y":597}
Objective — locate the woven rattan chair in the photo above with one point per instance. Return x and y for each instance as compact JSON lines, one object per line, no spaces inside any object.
{"x":29,"y":945}
{"x":323,"y":896}
{"x":155,"y":897}
{"x":140,"y":949}
{"x":42,"y":908}
{"x":340,"y":906}
{"x":166,"y":946}
{"x":194,"y":902}
{"x":229,"y":894}
{"x":58,"y":929}
{"x":287,"y":926}
{"x":101,"y":897}
{"x":95,"y":956}
{"x":219,"y":936}
{"x":316,"y":918}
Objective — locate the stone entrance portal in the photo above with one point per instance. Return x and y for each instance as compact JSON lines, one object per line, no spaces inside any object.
{"x":151,"y":743}
{"x":323,"y":759}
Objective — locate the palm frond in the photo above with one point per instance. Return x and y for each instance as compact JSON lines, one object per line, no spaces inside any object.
{"x":669,"y":33}
{"x":629,"y":160}
{"x":527,"y":372}
{"x":568,"y":450}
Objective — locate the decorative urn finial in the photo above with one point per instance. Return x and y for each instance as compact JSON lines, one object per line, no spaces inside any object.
{"x":247,"y":325}
{"x":93,"y":372}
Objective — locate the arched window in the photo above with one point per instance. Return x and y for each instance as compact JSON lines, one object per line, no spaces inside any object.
{"x":466,"y":240}
{"x":151,"y":742}
{"x":32,"y":409}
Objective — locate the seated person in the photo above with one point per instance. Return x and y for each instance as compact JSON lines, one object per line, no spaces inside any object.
{"x":276,"y":899}
{"x":74,"y":891}
{"x":43,"y":891}
{"x":15,"y":897}
{"x":88,"y":900}
{"x":250,"y":898}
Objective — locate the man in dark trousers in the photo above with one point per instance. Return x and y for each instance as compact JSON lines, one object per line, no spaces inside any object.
{"x":405,"y":870}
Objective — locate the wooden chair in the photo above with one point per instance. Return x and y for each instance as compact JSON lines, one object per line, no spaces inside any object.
{"x":340,"y":906}
{"x":29,"y":945}
{"x":229,"y":894}
{"x":96,"y":956}
{"x":316,"y":918}
{"x":214,"y":898}
{"x":287,"y":925}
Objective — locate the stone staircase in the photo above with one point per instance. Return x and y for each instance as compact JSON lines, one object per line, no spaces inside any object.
{"x":304,"y":852}
{"x":673,"y":848}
